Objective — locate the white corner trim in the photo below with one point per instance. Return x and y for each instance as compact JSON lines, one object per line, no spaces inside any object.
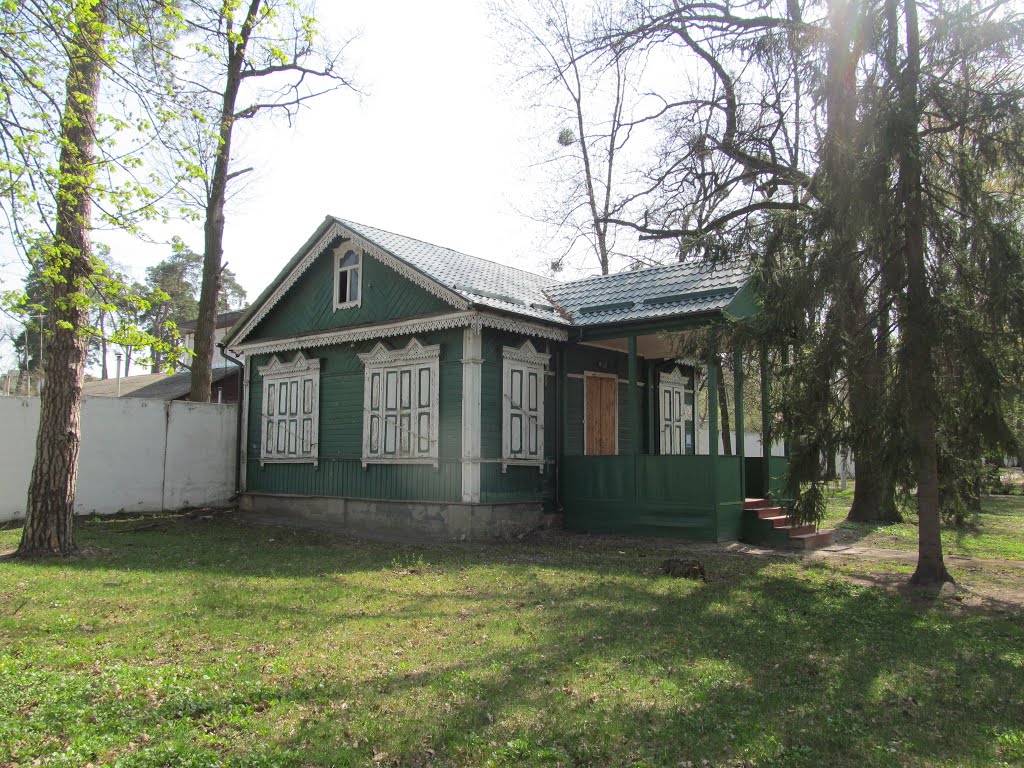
{"x":335,"y":231}
{"x":472,"y":377}
{"x":444,"y":322}
{"x":243,"y":453}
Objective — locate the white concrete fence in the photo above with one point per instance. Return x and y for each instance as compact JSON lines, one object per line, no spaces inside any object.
{"x":137,"y":455}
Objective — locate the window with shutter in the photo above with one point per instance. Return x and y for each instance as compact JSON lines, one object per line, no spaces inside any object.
{"x":523,"y":372}
{"x":400,"y":414}
{"x":675,"y":405}
{"x":291,"y":409}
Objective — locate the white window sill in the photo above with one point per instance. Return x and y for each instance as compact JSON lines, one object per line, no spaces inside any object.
{"x":400,"y":460}
{"x":538,"y":463}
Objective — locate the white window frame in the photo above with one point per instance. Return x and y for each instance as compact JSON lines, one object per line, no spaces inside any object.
{"x":673,"y":387}
{"x":291,"y":437}
{"x":524,"y":372}
{"x":415,"y":402}
{"x":340,"y":253}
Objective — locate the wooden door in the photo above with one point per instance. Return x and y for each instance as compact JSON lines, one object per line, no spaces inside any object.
{"x":601,"y":415}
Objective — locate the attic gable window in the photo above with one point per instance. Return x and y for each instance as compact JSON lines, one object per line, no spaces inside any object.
{"x":400,"y":404}
{"x":348,"y":274}
{"x":523,"y":371}
{"x":291,"y":410}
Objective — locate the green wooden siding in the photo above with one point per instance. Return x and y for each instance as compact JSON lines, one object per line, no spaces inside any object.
{"x":661,"y":495}
{"x":340,"y":471}
{"x":308,"y":306}
{"x":515,"y":484}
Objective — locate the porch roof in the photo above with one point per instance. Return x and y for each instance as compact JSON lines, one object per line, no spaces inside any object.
{"x":672,"y":291}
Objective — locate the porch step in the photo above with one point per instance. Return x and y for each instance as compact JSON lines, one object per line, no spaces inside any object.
{"x":815,"y":540}
{"x":765,"y":523}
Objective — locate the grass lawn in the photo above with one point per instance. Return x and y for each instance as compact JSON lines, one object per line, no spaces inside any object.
{"x":998,"y":533}
{"x":209,"y":643}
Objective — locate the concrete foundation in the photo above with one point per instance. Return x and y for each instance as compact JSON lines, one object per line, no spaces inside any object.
{"x":405,"y":521}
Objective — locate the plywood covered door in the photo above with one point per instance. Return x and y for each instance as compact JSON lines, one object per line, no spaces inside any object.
{"x":601,"y":415}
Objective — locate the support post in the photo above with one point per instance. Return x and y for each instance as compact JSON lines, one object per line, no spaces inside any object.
{"x":652,"y":406}
{"x":713,"y":418}
{"x":766,"y":424}
{"x":741,"y":427}
{"x":633,"y":399}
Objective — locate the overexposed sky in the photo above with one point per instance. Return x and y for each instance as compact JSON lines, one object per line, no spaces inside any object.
{"x":437,"y":149}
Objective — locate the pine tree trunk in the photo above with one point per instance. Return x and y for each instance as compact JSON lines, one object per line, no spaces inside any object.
{"x":213,"y":229}
{"x":49,"y":516}
{"x":917,"y":325}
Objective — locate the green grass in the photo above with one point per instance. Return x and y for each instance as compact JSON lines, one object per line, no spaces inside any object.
{"x":997,"y":533}
{"x":213,"y":644}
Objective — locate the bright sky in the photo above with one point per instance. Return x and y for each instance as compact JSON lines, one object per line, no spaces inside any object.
{"x":436,"y":150}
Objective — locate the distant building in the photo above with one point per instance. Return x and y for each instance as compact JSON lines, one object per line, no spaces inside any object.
{"x":224,"y":322}
{"x":162,"y":386}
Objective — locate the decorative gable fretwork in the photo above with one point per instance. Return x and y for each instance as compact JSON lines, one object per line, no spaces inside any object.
{"x":400,"y":404}
{"x":452,"y":320}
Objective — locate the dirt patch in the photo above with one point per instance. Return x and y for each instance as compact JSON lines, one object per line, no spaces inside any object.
{"x":977,"y":589}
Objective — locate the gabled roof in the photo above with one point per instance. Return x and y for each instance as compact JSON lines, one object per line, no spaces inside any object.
{"x":648,"y":294}
{"x":468,"y":282}
{"x":480,"y":281}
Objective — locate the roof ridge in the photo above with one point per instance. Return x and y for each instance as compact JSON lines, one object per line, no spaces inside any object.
{"x":349,"y":222}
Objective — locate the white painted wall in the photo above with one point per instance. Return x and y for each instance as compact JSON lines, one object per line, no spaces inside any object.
{"x":137,"y":455}
{"x":751,"y":444}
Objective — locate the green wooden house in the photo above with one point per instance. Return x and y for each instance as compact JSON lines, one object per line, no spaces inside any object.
{"x":395,"y":388}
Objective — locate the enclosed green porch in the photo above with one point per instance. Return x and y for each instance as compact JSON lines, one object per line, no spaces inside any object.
{"x":643,"y":480}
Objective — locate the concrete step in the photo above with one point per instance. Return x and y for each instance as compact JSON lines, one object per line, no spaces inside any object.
{"x":778,"y":521}
{"x":800,"y":530}
{"x":756,"y":503}
{"x":768,"y":512}
{"x":811,"y":540}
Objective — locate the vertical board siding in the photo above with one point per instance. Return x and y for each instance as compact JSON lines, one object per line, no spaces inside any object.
{"x":309,"y":304}
{"x":340,"y":471}
{"x":516,"y":484}
{"x":662,"y":495}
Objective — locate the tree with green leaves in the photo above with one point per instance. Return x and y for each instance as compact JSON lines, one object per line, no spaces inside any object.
{"x":247,"y":58}
{"x":174,"y":286}
{"x":846,"y":197}
{"x":61,"y":164}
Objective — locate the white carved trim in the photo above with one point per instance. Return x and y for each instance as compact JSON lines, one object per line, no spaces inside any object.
{"x":446,"y":322}
{"x":340,"y":252}
{"x":526,"y":360}
{"x":335,"y":231}
{"x":300,"y":364}
{"x":527,"y":353}
{"x":381,"y":360}
{"x":414,"y":352}
{"x":299,"y":370}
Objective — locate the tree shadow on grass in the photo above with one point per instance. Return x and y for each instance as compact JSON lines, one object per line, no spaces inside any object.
{"x":538,"y":654}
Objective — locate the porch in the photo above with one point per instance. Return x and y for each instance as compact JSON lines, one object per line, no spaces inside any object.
{"x":645,"y":480}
